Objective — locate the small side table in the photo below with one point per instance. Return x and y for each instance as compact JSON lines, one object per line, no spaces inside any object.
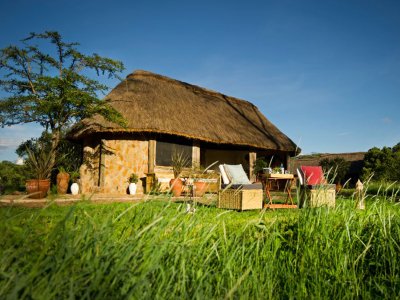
{"x":287,"y":179}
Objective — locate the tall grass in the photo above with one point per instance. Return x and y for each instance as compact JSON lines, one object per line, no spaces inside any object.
{"x":155,"y":250}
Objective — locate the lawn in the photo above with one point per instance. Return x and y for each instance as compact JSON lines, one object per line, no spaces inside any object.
{"x":155,"y":250}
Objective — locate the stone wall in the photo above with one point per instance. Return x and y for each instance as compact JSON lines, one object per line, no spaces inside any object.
{"x":121,"y":159}
{"x":117,"y":160}
{"x":89,"y":171}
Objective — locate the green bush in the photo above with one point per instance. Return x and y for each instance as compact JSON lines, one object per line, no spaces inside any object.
{"x":12,"y":177}
{"x":382,"y":164}
{"x":336,"y":169}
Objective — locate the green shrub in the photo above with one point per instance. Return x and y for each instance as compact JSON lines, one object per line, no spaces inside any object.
{"x":12,"y":177}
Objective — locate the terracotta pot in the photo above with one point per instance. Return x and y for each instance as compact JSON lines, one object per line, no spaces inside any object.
{"x":176,"y":185}
{"x":200,"y":188}
{"x":37,"y":188}
{"x":62,"y":182}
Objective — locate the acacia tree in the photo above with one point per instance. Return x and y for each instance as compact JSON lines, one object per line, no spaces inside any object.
{"x":49,"y":85}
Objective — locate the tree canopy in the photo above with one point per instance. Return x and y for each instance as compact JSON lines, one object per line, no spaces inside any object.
{"x":49,"y":84}
{"x":336,"y":169}
{"x":382,"y":164}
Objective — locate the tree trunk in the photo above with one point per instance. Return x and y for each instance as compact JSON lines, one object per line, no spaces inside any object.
{"x":55,"y":141}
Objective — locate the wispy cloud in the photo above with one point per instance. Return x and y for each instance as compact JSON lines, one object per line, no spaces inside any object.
{"x":9,"y":143}
{"x":387,"y":120}
{"x":13,"y":136}
{"x":344,"y":133}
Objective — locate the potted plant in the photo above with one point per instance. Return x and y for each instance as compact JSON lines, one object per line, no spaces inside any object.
{"x":258,"y":167}
{"x":62,"y":181}
{"x":200,"y":187}
{"x":179,"y":161}
{"x":200,"y":182}
{"x":41,"y":164}
{"x":133,"y":179}
{"x":74,"y":185}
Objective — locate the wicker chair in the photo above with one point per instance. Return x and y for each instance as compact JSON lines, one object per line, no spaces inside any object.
{"x":236,"y":191}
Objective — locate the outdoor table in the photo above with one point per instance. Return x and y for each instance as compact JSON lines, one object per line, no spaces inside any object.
{"x":269,"y":179}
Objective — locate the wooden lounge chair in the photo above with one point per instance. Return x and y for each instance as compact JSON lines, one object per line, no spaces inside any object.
{"x":314,"y":189}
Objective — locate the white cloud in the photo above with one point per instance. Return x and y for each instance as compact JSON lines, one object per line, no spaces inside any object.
{"x":387,"y":120}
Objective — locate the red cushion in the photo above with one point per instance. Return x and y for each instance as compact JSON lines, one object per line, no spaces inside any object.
{"x":313,"y":175}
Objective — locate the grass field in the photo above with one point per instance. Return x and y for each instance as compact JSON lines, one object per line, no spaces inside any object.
{"x":155,"y":250}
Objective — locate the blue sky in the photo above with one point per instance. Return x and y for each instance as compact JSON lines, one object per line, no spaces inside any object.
{"x":326,"y":73}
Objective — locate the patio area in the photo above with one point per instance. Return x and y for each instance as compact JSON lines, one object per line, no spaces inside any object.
{"x":68,"y":199}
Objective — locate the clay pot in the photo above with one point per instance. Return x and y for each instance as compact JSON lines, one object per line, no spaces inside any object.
{"x":37,"y":188}
{"x":200,"y":188}
{"x":176,"y":185}
{"x":62,"y":182}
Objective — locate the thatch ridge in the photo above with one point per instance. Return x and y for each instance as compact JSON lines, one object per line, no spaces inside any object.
{"x":194,"y":87}
{"x":155,"y":103}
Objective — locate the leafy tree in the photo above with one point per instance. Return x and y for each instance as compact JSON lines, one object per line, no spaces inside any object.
{"x":12,"y":177}
{"x":383,"y":164}
{"x":49,"y":85}
{"x":336,"y":168}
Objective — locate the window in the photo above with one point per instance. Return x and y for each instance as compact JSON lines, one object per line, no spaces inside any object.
{"x":164,"y":152}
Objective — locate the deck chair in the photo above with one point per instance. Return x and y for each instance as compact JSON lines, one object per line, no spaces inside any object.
{"x":237,"y":191}
{"x":314,"y":189}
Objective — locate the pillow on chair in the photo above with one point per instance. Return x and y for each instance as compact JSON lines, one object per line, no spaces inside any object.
{"x":225,"y":178}
{"x":313,"y":175}
{"x":236,"y":174}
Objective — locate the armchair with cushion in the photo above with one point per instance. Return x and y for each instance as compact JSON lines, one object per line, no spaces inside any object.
{"x":237,"y":192}
{"x":314,"y":189}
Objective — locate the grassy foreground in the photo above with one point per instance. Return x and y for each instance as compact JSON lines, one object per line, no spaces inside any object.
{"x":155,"y":250}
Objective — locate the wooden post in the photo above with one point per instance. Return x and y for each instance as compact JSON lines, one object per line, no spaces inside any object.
{"x":288,"y":166}
{"x":360,"y":204}
{"x":252,"y":159}
{"x":196,"y":154}
{"x":102,"y":167}
{"x":151,"y":156}
{"x":150,"y":175}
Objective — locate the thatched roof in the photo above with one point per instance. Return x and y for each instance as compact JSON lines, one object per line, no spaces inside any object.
{"x":157,"y":104}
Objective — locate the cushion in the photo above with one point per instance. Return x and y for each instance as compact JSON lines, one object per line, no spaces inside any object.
{"x":236,"y":174}
{"x":254,"y":186}
{"x":225,"y":178}
{"x":301,"y":176}
{"x":313,"y":175}
{"x":164,"y":179}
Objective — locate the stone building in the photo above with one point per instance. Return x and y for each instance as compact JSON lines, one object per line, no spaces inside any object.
{"x":165,"y":115}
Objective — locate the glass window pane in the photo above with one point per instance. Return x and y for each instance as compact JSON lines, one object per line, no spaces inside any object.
{"x":164,"y":152}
